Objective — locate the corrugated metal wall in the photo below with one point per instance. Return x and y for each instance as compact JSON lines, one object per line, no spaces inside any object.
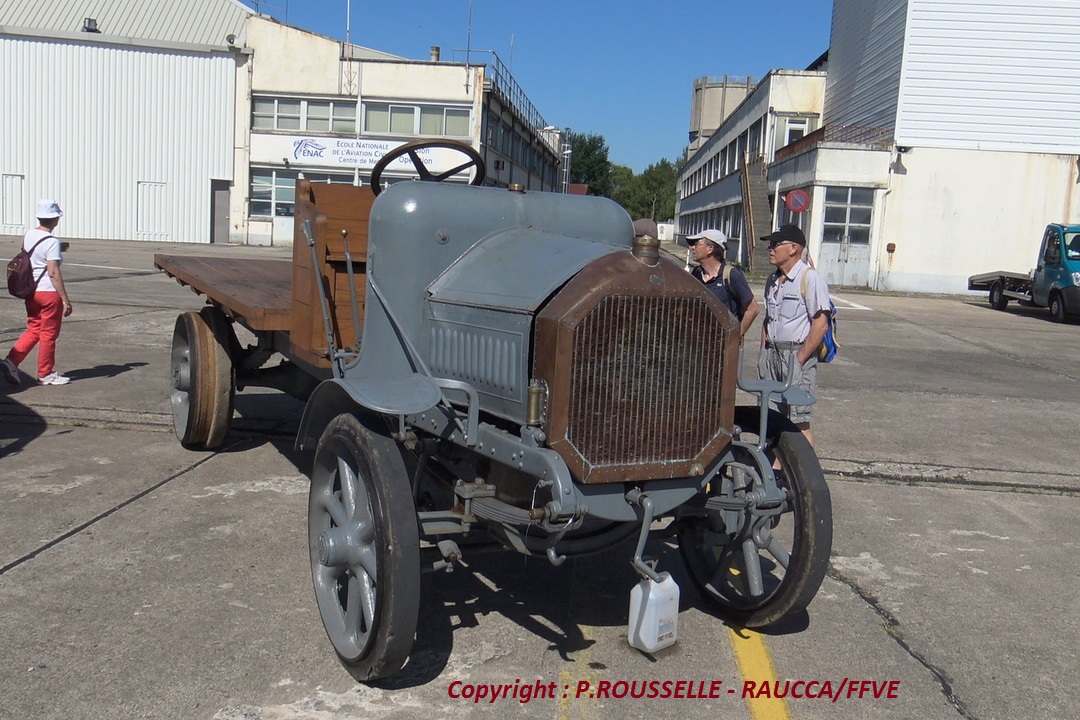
{"x":203,"y":22}
{"x":865,"y":55}
{"x":993,"y":75}
{"x":91,"y":124}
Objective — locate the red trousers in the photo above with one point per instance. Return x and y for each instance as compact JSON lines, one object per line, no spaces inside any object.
{"x":44,"y":313}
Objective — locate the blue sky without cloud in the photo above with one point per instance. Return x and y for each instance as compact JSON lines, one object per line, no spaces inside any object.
{"x":624,"y":70}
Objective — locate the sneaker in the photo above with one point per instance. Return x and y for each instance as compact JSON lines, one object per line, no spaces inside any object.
{"x":54,"y":378}
{"x":11,"y":373}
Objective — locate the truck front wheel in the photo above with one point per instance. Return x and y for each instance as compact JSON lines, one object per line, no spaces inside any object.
{"x":365,"y":548}
{"x":1057,"y":307}
{"x":766,"y":576}
{"x":998,"y":301}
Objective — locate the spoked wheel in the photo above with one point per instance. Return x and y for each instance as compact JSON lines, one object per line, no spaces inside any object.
{"x":365,"y":548}
{"x":203,"y":383}
{"x":416,"y":148}
{"x":998,"y":301}
{"x":760,"y":567}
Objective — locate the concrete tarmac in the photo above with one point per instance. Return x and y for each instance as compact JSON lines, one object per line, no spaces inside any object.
{"x":142,"y":580}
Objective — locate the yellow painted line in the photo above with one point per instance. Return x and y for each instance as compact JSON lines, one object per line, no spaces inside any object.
{"x":755,"y":664}
{"x":582,"y":708}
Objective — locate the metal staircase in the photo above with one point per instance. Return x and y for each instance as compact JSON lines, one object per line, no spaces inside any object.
{"x":757,"y":214}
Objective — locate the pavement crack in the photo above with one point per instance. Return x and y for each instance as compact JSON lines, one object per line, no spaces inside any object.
{"x":892,"y":629}
{"x":988,"y":485}
{"x":101,"y":516}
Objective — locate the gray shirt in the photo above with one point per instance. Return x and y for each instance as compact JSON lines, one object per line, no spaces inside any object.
{"x":787,"y":312}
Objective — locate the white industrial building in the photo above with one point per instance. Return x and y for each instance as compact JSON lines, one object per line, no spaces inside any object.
{"x":191,"y":121}
{"x":949,"y":138}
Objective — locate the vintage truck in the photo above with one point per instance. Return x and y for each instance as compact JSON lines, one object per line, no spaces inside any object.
{"x":1054,"y":283}
{"x":488,"y":361}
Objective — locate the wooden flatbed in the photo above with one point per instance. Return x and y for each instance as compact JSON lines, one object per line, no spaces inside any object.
{"x":257,"y":293}
{"x":279,"y":300}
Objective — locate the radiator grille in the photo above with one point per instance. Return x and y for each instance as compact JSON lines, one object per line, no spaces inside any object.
{"x":645,"y":382}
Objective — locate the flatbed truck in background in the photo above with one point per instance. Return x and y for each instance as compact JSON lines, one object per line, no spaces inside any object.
{"x":1053,"y":284}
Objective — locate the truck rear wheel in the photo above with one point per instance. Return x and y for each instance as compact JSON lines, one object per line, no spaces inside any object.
{"x":1057,"y":307}
{"x":364,"y":544}
{"x":998,"y":301}
{"x":202,"y":379}
{"x":763,"y":576}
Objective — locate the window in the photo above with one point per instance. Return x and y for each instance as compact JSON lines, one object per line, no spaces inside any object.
{"x":316,"y":116}
{"x":1052,"y":256}
{"x":273,"y":191}
{"x":1072,"y":246}
{"x":393,"y":119}
{"x":848,"y":212}
{"x":796,"y":129}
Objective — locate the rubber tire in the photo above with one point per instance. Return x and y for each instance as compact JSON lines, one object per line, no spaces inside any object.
{"x":998,"y":301}
{"x":376,"y":462}
{"x":224,"y":382}
{"x":202,"y":380}
{"x":812,"y":538}
{"x":1057,"y":307}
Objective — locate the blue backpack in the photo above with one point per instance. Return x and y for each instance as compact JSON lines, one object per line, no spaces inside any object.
{"x":826,"y":352}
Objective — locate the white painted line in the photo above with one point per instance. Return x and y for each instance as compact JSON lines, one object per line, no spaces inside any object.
{"x":848,"y":304}
{"x":110,"y":267}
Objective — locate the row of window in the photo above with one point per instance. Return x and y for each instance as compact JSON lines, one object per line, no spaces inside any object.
{"x":517,"y":148}
{"x":729,"y":158}
{"x":273,"y":192}
{"x":339,"y":116}
{"x":848,"y":214}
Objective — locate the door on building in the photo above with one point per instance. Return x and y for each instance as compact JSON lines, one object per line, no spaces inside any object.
{"x":219,"y":211}
{"x":284,"y":206}
{"x":845,"y":246}
{"x":12,"y":217}
{"x":153,"y":211}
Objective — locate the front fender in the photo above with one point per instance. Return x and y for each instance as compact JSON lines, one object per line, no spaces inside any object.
{"x":394,"y":396}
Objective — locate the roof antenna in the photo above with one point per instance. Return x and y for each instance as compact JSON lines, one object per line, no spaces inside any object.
{"x":468,"y":46}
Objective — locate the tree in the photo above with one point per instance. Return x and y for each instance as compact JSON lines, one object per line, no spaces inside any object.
{"x":622,"y":184}
{"x":648,"y":195}
{"x":658,"y":190}
{"x":589,"y":163}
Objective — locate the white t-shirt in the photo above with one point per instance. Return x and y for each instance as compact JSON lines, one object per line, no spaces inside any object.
{"x":39,"y":260}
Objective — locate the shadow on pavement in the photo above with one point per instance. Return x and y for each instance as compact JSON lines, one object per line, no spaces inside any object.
{"x":102,"y":371}
{"x":19,"y":425}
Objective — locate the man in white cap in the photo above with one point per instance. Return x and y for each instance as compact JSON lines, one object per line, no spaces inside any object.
{"x":727,"y":283}
{"x":48,"y":306}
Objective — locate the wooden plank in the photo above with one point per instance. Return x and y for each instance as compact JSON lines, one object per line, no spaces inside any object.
{"x":256,"y":291}
{"x":332,"y":209}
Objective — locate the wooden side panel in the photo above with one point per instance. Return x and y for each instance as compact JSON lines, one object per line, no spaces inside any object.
{"x":333,"y":209}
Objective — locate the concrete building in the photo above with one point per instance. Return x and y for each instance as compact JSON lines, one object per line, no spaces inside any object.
{"x":713,"y":185}
{"x":949,"y":138}
{"x":713,"y":101}
{"x":192,"y":121}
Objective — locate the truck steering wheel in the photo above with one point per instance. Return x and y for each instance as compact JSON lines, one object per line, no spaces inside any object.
{"x":410,"y":148}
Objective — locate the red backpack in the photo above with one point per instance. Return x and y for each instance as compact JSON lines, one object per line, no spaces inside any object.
{"x":20,"y":273}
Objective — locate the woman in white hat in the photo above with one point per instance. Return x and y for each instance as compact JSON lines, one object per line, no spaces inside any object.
{"x":48,"y":306}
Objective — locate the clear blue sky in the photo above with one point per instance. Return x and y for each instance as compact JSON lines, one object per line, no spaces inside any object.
{"x":621,"y":69}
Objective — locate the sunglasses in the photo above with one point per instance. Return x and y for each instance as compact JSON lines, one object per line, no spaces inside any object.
{"x":777,"y":243}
